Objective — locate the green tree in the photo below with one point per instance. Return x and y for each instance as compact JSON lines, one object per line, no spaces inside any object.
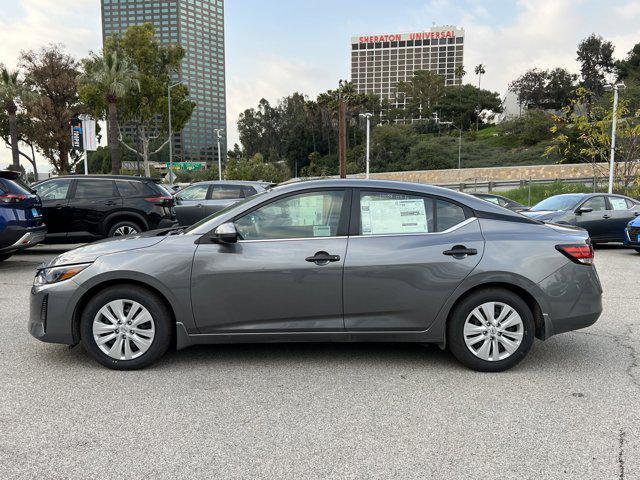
{"x":26,"y":130}
{"x":10,"y":91}
{"x":50,"y":75}
{"x":255,"y":168}
{"x":432,"y":154}
{"x":596,"y":60}
{"x":464,"y":104}
{"x":550,"y":89}
{"x":629,"y":68}
{"x":421,"y":93}
{"x":106,"y":80}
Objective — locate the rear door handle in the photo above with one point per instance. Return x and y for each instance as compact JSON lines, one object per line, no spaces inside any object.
{"x":109,"y":203}
{"x":323,"y":258}
{"x":460,"y":251}
{"x":606,"y":216}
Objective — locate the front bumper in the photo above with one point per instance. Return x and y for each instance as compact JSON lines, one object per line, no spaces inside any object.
{"x":51,"y":312}
{"x":631,"y":240}
{"x":23,"y":237}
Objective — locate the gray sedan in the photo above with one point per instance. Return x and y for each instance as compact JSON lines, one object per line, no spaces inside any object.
{"x":326,"y":261}
{"x":200,"y":200}
{"x":604,"y":216}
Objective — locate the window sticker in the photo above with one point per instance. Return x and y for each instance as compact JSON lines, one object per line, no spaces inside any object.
{"x":321,"y":230}
{"x":618,"y":203}
{"x":388,"y":216}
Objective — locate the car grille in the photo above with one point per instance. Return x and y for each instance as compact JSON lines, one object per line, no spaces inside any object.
{"x":634,"y":233}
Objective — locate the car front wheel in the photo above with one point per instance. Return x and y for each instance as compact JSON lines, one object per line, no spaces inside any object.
{"x":126,"y":328}
{"x":491,"y":330}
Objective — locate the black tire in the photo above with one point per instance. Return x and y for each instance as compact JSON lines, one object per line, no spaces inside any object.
{"x":155,"y":306}
{"x":3,"y":257}
{"x":455,"y":329}
{"x":124,"y":225}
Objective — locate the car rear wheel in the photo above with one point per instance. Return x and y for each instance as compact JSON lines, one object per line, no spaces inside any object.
{"x":491,"y":330}
{"x":126,"y":328}
{"x":124,"y":228}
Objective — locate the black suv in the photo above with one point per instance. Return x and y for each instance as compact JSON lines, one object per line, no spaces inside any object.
{"x":83,"y":208}
{"x":21,"y":223}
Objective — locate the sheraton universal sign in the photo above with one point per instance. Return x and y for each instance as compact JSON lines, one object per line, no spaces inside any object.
{"x":433,"y":34}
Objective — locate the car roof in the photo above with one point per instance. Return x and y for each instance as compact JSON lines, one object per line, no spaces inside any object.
{"x":101,"y":177}
{"x":233,"y":182}
{"x":9,"y":174}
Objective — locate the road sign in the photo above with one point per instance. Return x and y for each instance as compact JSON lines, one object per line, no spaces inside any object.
{"x":187,"y":165}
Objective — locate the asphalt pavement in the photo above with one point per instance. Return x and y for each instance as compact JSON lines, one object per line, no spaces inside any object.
{"x":571,"y":410}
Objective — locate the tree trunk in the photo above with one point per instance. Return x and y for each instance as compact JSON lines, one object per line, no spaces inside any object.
{"x":13,"y":132}
{"x":64,"y":160}
{"x":33,"y":163}
{"x":114,"y":143}
{"x":145,"y":157}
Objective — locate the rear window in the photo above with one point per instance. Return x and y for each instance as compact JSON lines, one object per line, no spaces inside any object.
{"x":11,"y":186}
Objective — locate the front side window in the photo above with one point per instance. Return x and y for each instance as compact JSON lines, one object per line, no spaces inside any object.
{"x":94,"y":189}
{"x":596,"y":204}
{"x":307,"y":215}
{"x":390,"y":213}
{"x":196,"y":192}
{"x":53,"y":190}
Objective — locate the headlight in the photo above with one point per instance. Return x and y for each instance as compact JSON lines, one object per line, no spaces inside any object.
{"x":48,"y":276}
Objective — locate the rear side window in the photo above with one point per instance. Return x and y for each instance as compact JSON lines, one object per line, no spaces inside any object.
{"x":248,"y":191}
{"x":618,"y":203}
{"x":54,"y":190}
{"x":128,"y":189}
{"x":389,"y":213}
{"x":94,"y":189}
{"x":226,"y":192}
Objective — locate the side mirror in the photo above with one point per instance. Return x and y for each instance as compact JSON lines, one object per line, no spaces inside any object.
{"x":225,"y":233}
{"x":582,"y":210}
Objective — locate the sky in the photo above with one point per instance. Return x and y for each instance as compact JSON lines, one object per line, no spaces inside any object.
{"x":277,"y":47}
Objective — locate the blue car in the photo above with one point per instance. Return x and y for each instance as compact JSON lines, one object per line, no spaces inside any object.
{"x":632,"y":234}
{"x":21,"y":223}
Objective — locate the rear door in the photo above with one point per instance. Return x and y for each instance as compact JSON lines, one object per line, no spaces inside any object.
{"x":622,"y":211}
{"x":597,"y":221}
{"x":54,"y":195}
{"x":190,"y":204}
{"x":222,"y":195}
{"x":407,"y":253}
{"x":90,"y":203}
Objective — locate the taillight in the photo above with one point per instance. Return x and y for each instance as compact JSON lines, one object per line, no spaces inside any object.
{"x":165,"y":201}
{"x":12,"y":198}
{"x":580,"y":253}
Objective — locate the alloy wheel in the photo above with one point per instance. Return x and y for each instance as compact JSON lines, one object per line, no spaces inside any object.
{"x":123,"y":329}
{"x":493,"y":331}
{"x":124,"y":230}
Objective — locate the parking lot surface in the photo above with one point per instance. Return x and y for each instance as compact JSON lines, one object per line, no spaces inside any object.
{"x":570,"y":410}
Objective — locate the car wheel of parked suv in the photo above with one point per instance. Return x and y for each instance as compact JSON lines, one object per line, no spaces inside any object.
{"x":491,"y":330}
{"x":126,"y":327}
{"x":126,"y":227}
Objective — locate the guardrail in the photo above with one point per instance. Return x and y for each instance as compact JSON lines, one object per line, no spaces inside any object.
{"x":502,"y":185}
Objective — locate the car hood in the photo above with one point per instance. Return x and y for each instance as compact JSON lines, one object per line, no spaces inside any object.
{"x":542,"y":214}
{"x":91,"y":252}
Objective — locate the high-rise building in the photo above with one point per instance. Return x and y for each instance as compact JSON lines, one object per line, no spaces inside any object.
{"x":379,"y":62}
{"x":198,"y":26}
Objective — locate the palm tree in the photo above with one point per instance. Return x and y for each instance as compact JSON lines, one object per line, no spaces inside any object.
{"x":480,"y":70}
{"x":10,"y":91}
{"x":115,"y":76}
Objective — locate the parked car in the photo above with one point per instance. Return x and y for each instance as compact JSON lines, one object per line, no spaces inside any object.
{"x":632,"y":234}
{"x":21,"y":224}
{"x":603,"y":215}
{"x":423,"y":264}
{"x":84,"y":208}
{"x":502,"y":201}
{"x":201,"y":199}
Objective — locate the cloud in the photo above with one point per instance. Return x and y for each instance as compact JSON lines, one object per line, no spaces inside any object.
{"x":272,"y":77}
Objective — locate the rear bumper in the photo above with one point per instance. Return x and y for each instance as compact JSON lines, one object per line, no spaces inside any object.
{"x":20,"y":238}
{"x":574,"y":299}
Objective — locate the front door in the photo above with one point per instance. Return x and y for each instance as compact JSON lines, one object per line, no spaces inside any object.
{"x":54,"y":196}
{"x":190,"y":204}
{"x":222,"y":195}
{"x":407,"y":254}
{"x":597,"y":221}
{"x":285,"y":272}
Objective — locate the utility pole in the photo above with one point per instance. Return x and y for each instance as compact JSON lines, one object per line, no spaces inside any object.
{"x":615,"y":88}
{"x":218,"y":134}
{"x":342,"y":138}
{"x":170,"y":133}
{"x":368,"y":117}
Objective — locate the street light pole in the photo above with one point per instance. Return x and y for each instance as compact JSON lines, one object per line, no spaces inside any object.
{"x":218,"y":134}
{"x":368,"y":117}
{"x":170,"y":133}
{"x":615,"y":88}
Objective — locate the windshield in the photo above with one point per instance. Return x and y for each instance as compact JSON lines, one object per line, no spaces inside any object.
{"x":559,"y":202}
{"x":222,"y":212}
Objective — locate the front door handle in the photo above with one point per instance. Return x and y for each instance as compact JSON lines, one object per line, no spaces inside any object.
{"x":109,"y":203}
{"x":606,"y":216}
{"x":323,"y":258}
{"x":460,"y":251}
{"x":59,"y":206}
